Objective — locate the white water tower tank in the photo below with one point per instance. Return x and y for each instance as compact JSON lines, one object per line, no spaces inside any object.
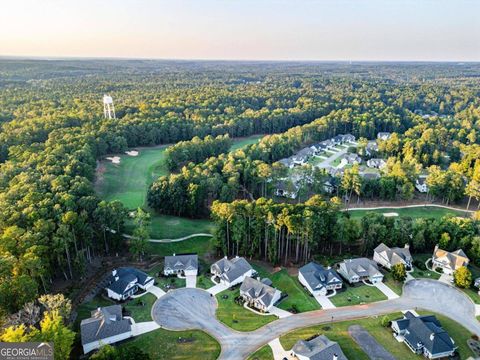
{"x":108,"y":107}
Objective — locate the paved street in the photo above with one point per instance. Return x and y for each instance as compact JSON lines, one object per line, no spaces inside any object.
{"x":195,"y":309}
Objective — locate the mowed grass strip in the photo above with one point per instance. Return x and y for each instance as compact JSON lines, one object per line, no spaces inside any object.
{"x":177,"y":345}
{"x":354,"y":295}
{"x":199,"y":245}
{"x":417,"y":212}
{"x":236,"y":316}
{"x":298,"y":298}
{"x":264,"y":353}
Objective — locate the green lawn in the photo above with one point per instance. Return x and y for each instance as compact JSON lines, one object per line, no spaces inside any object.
{"x":420,"y":212}
{"x":177,"y":345}
{"x":204,"y":282}
{"x":419,"y":269}
{"x":140,"y":309}
{"x":236,"y":316}
{"x":198,"y":245}
{"x":298,"y":298}
{"x":396,"y":286}
{"x":472,"y":293}
{"x":264,"y":353}
{"x":239,"y":143}
{"x":354,"y":295}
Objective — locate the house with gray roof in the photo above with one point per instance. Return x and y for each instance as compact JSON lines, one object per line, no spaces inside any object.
{"x":376,"y":163}
{"x":352,"y":158}
{"x":319,"y":280}
{"x":287,"y":162}
{"x":301,"y":157}
{"x":259,"y":294}
{"x":231,"y":272}
{"x":105,"y":326}
{"x":318,"y":348}
{"x":383,"y":135}
{"x":387,"y":257}
{"x":424,"y":335}
{"x":125,"y":282}
{"x":372,"y":148}
{"x":286,"y":188}
{"x":421,"y":184}
{"x":186,"y":264}
{"x":360,"y":269}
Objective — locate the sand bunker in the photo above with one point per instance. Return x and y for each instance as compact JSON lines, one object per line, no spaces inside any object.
{"x":114,"y":159}
{"x":391,"y":214}
{"x":132,"y":153}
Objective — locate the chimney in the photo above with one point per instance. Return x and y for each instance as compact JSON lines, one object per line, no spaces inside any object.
{"x":335,"y":357}
{"x":173,"y":254}
{"x":435,"y":249}
{"x":407,"y":246}
{"x":225,"y":257}
{"x":114,"y":272}
{"x":432,"y":336}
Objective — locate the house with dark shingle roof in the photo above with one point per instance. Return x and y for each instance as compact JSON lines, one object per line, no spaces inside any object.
{"x":449,"y":261}
{"x":387,"y":257}
{"x":319,"y":280}
{"x":125,"y":282}
{"x":259,"y":294}
{"x":360,"y":269}
{"x":318,"y":348}
{"x":186,"y":264}
{"x":105,"y":326}
{"x":286,"y":188}
{"x":231,"y":272}
{"x":424,"y":335}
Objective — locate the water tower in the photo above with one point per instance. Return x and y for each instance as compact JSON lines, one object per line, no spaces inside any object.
{"x":108,"y":108}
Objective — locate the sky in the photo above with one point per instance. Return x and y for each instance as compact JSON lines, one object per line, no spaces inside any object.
{"x":351,"y":30}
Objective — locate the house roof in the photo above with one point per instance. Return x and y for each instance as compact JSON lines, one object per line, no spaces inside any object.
{"x":104,"y":323}
{"x":122,"y":277}
{"x":318,"y":348}
{"x":361,"y":267}
{"x":286,"y":185}
{"x":181,"y":262}
{"x":232,"y":269}
{"x":426,"y":331}
{"x":394,"y":255}
{"x":453,"y":260}
{"x":318,"y":277}
{"x":258,"y":291}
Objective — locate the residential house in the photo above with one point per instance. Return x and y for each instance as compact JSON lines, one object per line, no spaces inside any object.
{"x":360,"y":269}
{"x":302,"y":157}
{"x":383,"y":135}
{"x":388,"y":257}
{"x":352,"y":159}
{"x":371,"y":148}
{"x":124,"y":282}
{"x":259,"y":294}
{"x":319,"y":280}
{"x":449,"y":261}
{"x":476,"y":283}
{"x":287,"y":162}
{"x":105,"y":326}
{"x":421,"y":184}
{"x":424,"y":335}
{"x":337,"y":139}
{"x":376,"y":163}
{"x":186,"y":264}
{"x":287,"y":189}
{"x":318,"y":348}
{"x":231,"y":272}
{"x":348,"y":138}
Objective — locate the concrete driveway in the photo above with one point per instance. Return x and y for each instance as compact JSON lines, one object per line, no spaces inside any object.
{"x":186,"y":308}
{"x":389,"y":293}
{"x":191,"y":281}
{"x":324,"y":302}
{"x":214,"y":290}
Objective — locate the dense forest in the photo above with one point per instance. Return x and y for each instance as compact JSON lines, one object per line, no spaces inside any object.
{"x":52,"y":224}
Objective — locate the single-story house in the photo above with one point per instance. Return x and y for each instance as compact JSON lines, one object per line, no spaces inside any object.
{"x":319,"y":280}
{"x":387,"y":257}
{"x":105,"y":326}
{"x":124,"y":282}
{"x":231,"y":272}
{"x":424,"y":335}
{"x":259,"y":294}
{"x":318,"y":348}
{"x":376,"y":163}
{"x":383,"y":135}
{"x":421,"y":184}
{"x":186,"y":264}
{"x":449,"y":261}
{"x":360,"y":269}
{"x":286,"y":189}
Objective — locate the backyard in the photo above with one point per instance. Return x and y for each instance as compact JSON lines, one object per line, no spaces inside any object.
{"x":236,"y":316}
{"x":298,"y":298}
{"x":354,"y":295}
